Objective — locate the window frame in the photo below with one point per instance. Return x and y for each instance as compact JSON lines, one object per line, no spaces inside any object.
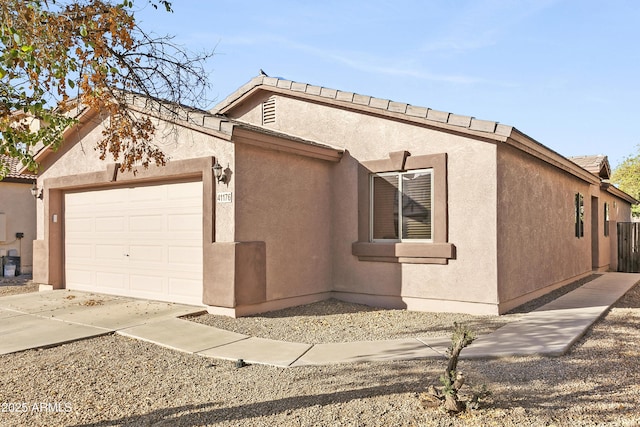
{"x":579,"y":215}
{"x":400,"y":207}
{"x":437,"y":251}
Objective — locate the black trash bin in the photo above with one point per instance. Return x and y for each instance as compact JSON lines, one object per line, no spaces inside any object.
{"x":10,"y":264}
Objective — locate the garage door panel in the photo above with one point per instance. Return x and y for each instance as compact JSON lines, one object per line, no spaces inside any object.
{"x":148,"y":283}
{"x":110,"y":224}
{"x":79,"y":225}
{"x":77,"y":276}
{"x":182,"y":286}
{"x":110,"y":199}
{"x":146,"y":254}
{"x":183,"y":237}
{"x":160,"y":229}
{"x":146,"y":223}
{"x":141,"y":195}
{"x":184,"y":255}
{"x":111,"y":280}
{"x":110,"y":252}
{"x":183,"y":222}
{"x":183,"y":191}
{"x":73,"y":200}
{"x":80,"y":251}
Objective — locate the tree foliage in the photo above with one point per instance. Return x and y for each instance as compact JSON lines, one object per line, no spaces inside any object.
{"x":60,"y":56}
{"x":627,"y":178}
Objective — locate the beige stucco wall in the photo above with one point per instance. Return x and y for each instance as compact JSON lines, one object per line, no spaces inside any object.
{"x":284,"y":200}
{"x":602,"y":247}
{"x":537,"y":246}
{"x":19,"y":209}
{"x":619,"y":211}
{"x":467,"y":283}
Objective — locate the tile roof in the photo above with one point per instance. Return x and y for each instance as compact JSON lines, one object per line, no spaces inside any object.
{"x":438,"y":119}
{"x":596,"y":164}
{"x":384,"y":105}
{"x":14,"y":169}
{"x":281,"y":135}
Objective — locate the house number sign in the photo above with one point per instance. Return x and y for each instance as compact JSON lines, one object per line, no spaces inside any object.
{"x":224,"y":197}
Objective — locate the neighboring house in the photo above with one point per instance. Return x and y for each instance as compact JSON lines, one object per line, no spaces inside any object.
{"x":17,"y":216}
{"x":324,"y":194}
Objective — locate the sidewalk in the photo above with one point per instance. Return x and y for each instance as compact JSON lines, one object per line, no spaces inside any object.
{"x":48,"y":318}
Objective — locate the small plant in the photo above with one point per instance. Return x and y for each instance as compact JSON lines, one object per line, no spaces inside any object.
{"x":452,"y":379}
{"x":477,"y":395}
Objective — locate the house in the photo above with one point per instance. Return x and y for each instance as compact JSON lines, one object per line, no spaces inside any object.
{"x":323,"y":193}
{"x":17,"y":218}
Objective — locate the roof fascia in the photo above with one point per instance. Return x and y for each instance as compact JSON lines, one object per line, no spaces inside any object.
{"x":210,"y":125}
{"x":83,"y":119}
{"x":527,"y":144}
{"x":17,"y":180}
{"x":239,"y":94}
{"x":612,"y":189}
{"x":207,"y":124}
{"x":461,"y":125}
{"x":251,"y":137}
{"x":507,"y":134}
{"x":607,"y":169}
{"x":413,"y":115}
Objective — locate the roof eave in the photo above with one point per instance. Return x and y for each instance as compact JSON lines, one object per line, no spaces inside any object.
{"x":17,"y":180}
{"x":482,"y":129}
{"x":247,"y":134}
{"x":612,"y":189}
{"x":529,"y":145}
{"x":202,"y":122}
{"x":44,"y":152}
{"x":466,"y":125}
{"x":241,"y":93}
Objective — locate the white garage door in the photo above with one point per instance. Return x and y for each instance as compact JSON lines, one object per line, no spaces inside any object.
{"x":143,"y":242}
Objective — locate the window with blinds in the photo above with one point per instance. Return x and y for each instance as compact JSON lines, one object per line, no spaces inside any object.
{"x":385,"y":207}
{"x":401,"y":205}
{"x":416,"y":205}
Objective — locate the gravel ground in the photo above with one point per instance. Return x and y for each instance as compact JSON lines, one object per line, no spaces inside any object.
{"x":113,"y":380}
{"x":17,"y":285}
{"x":337,"y":321}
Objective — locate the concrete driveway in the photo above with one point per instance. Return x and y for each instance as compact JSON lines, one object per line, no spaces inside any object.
{"x":49,"y":318}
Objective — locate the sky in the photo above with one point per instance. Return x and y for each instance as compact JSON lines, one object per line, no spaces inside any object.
{"x":564,"y":72}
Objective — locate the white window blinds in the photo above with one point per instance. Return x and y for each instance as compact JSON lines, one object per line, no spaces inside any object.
{"x":401,"y":206}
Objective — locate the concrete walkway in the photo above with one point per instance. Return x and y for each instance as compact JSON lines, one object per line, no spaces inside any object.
{"x":55,"y":317}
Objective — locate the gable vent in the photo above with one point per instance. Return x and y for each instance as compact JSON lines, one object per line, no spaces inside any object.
{"x":269,"y":111}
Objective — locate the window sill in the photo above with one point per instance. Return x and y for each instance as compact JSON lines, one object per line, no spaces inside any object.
{"x":408,"y":253}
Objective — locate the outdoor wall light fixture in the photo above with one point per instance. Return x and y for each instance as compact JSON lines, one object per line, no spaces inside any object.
{"x":221,"y":175}
{"x":36,"y":192}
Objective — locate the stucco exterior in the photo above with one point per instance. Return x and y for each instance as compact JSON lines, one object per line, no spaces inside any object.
{"x":471,"y":177}
{"x":293,"y":200}
{"x":290,"y":223}
{"x":510,"y":201}
{"x":536,"y":221}
{"x":18,"y":215}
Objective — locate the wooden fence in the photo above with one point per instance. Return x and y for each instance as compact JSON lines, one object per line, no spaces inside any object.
{"x":629,"y":247}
